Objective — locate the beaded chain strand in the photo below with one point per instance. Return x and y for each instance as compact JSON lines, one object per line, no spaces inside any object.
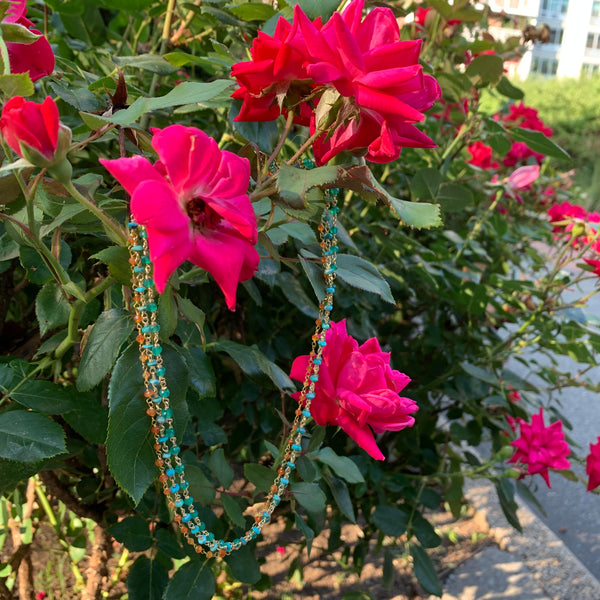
{"x":172,"y":470}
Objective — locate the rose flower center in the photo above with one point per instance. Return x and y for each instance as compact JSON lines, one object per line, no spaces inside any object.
{"x":202,"y":215}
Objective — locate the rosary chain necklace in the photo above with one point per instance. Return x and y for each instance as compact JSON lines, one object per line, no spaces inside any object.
{"x":157,"y":393}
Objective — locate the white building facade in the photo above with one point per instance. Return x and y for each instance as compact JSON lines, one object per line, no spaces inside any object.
{"x":574,"y":46}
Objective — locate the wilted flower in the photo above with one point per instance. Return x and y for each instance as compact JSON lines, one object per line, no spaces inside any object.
{"x":195,"y":206}
{"x":357,"y":389}
{"x":541,"y":448}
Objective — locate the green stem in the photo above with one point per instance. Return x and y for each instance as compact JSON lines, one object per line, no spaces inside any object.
{"x":289,"y":122}
{"x":45,"y":362}
{"x":114,"y":231}
{"x":76,"y":310}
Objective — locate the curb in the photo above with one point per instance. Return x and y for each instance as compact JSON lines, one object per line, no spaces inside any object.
{"x":552,"y":566}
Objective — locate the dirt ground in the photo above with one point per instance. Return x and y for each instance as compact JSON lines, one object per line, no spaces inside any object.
{"x":294,"y":575}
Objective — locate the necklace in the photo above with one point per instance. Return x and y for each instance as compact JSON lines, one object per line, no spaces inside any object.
{"x":168,"y":461}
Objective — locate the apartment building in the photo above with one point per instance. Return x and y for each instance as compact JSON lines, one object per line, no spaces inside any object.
{"x":573,"y":49}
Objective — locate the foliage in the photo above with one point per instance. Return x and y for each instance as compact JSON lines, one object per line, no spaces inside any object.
{"x":453,"y":270}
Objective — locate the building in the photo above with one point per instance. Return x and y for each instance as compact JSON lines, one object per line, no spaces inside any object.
{"x":573,"y":49}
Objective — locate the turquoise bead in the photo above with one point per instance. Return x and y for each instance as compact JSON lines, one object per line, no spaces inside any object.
{"x":157,"y":350}
{"x":167,"y":413}
{"x":186,"y":518}
{"x":284,"y":480}
{"x":334,"y":210}
{"x":163,"y":438}
{"x":201,"y":539}
{"x":138,"y":269}
{"x":143,"y":234}
{"x":310,"y":395}
{"x":318,"y":361}
{"x":137,"y":248}
{"x":165,"y":393}
{"x":335,"y":191}
{"x":296,"y":447}
{"x":155,"y":381}
{"x":326,"y":326}
{"x":160,"y":371}
{"x":291,"y":465}
{"x":194,"y":514}
{"x":244,"y":541}
{"x":174,"y":488}
{"x":132,"y":224}
{"x":189,"y":500}
{"x":301,"y":430}
{"x":334,"y":230}
{"x":145,"y":260}
{"x":255,"y":529}
{"x":179,"y":468}
{"x":194,"y":528}
{"x":322,"y":343}
{"x":276,"y":499}
{"x":166,"y":455}
{"x":170,"y":472}
{"x":185,"y":485}
{"x":152,"y":363}
{"x":306,"y":413}
{"x":266,"y":516}
{"x":330,"y":290}
{"x":179,"y":503}
{"x":211,"y":537}
{"x":175,"y":450}
{"x":314,"y":378}
{"x":228,"y":546}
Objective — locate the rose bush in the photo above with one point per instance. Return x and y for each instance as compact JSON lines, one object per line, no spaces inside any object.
{"x":328,"y":184}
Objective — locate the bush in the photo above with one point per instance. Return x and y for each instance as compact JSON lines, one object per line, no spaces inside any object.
{"x":446,"y":256}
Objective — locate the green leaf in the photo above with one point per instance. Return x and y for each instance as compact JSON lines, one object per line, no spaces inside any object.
{"x":421,"y":215}
{"x":16,"y":84}
{"x":192,"y":581}
{"x":113,"y":327}
{"x":425,"y":183}
{"x":167,"y":313}
{"x":133,"y":533}
{"x":200,"y":372}
{"x":454,"y":197}
{"x":253,"y":362}
{"x":147,"y":579}
{"x":506,"y":88}
{"x":260,"y":476}
{"x":425,"y":532}
{"x":538,"y":142}
{"x":361,"y":274}
{"x":506,"y":496}
{"x":116,"y":257}
{"x":479,"y":373}
{"x":89,"y":418}
{"x":19,"y":34}
{"x":191,"y":312}
{"x":425,"y":570}
{"x":244,"y":566}
{"x":12,"y":472}
{"x":201,"y":487}
{"x":309,"y":495}
{"x":45,"y":397}
{"x":307,"y":532}
{"x":486,"y":69}
{"x":127,"y":5}
{"x":341,"y":495}
{"x":500,"y":143}
{"x":252,"y":11}
{"x":292,"y":289}
{"x":342,"y":466}
{"x":390,"y":520}
{"x":29,"y":436}
{"x":129,"y":441}
{"x":387,"y":579}
{"x":265,"y":134}
{"x":188,"y":92}
{"x":318,"y":8}
{"x":148,"y":62}
{"x":233,"y":510}
{"x":293,"y":183}
{"x":166,"y":542}
{"x":219,"y":466}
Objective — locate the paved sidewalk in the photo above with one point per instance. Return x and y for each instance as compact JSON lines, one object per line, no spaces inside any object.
{"x":534,"y":565}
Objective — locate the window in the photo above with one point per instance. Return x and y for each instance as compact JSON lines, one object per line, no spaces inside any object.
{"x":589,"y":70}
{"x":555,"y":6}
{"x":556,"y":36}
{"x":590,"y":41}
{"x":596,"y":8}
{"x":544,"y":66}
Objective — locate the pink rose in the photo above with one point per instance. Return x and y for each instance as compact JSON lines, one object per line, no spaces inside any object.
{"x":36,"y":58}
{"x":195,"y":206}
{"x":382,"y":86}
{"x":481,"y":156}
{"x":526,"y":117}
{"x":357,"y":389}
{"x":540,"y":447}
{"x":593,"y":466}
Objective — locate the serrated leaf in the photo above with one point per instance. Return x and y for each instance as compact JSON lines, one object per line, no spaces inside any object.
{"x":253,"y":362}
{"x":341,"y":495}
{"x":13,"y":471}
{"x":342,"y":466}
{"x":260,"y":476}
{"x":89,"y":418}
{"x":233,"y":511}
{"x":166,"y":542}
{"x":359,"y":273}
{"x":200,"y":372}
{"x":293,"y":183}
{"x":201,"y":487}
{"x":129,"y":441}
{"x":390,"y":520}
{"x":16,"y":84}
{"x":485,"y":69}
{"x":307,"y":532}
{"x":421,"y":215}
{"x":454,"y":197}
{"x":148,"y":62}
{"x":45,"y":397}
{"x":220,"y":467}
{"x":28,"y":437}
{"x":425,"y":571}
{"x":479,"y":373}
{"x":538,"y":142}
{"x":147,"y":579}
{"x":506,"y":88}
{"x":112,"y":329}
{"x":244,"y":565}
{"x":133,"y":533}
{"x":19,"y":34}
{"x":188,"y":92}
{"x":425,"y":183}
{"x":192,"y":581}
{"x":117,"y":259}
{"x":309,"y":495}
